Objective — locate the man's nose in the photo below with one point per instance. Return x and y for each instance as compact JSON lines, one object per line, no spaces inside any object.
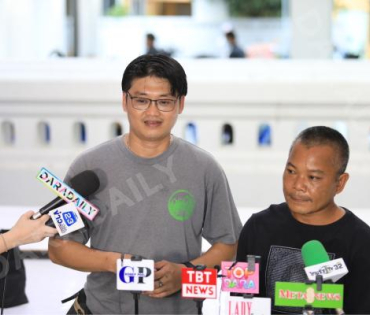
{"x":300,"y":183}
{"x":153,"y":107}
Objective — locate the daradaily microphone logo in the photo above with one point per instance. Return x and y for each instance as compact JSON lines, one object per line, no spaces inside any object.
{"x":67,"y":194}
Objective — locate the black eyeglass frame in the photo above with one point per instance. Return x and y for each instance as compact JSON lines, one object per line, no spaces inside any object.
{"x":153,"y":101}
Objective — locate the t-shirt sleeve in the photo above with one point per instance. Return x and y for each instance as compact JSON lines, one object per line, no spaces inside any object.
{"x":356,"y":286}
{"x":221,"y":221}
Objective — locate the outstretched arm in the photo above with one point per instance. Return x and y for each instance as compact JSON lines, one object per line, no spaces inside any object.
{"x":26,"y":231}
{"x":77,"y":256}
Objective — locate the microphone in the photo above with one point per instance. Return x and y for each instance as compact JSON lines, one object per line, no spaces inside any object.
{"x":318,"y":263}
{"x":313,"y":253}
{"x":315,"y":293}
{"x":84,"y":183}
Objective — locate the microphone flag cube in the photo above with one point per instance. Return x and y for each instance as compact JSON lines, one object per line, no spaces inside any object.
{"x":135,"y":275}
{"x":66,"y":219}
{"x":238,"y":278}
{"x":238,"y":305}
{"x":200,"y":284}
{"x":330,"y":270}
{"x":297,"y":294}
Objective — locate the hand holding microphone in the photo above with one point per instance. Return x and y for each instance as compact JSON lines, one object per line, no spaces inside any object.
{"x":27,"y":231}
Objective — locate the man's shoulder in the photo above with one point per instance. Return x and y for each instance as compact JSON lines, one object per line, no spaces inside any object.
{"x":94,"y":155}
{"x":356,"y":224}
{"x":274,"y":209}
{"x":195,"y":151}
{"x":272,"y":214}
{"x":102,"y":148}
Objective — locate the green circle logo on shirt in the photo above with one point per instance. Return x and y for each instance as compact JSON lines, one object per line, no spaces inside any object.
{"x":181,"y":205}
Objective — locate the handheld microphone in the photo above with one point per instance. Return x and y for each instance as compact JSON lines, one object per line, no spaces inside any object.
{"x":318,"y":263}
{"x":84,"y":183}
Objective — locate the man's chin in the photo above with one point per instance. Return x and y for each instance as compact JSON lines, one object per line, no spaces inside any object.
{"x":299,"y":208}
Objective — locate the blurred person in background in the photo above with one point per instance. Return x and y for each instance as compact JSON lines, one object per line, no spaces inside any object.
{"x":236,"y":51}
{"x":150,"y":47}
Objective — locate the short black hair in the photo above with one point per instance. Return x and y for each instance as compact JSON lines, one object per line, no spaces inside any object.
{"x":150,"y":36}
{"x":322,"y":135}
{"x":230,"y":34}
{"x":160,"y":66}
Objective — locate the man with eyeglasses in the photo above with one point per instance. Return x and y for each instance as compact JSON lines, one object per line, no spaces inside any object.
{"x":160,"y":195}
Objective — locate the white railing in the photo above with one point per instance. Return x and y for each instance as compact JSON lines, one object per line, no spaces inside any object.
{"x":50,"y":111}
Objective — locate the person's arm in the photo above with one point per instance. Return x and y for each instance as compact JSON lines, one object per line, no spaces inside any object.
{"x":77,"y":256}
{"x":26,"y":231}
{"x":169,"y":274}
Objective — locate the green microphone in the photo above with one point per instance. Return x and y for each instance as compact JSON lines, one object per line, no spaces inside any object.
{"x":313,"y":253}
{"x":317,"y":262}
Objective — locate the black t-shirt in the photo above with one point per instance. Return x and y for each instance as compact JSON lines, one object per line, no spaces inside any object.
{"x":277,"y":237}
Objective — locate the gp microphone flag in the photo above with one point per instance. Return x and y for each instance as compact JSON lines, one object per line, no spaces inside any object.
{"x":135,"y":275}
{"x":317,"y":262}
{"x":70,"y":195}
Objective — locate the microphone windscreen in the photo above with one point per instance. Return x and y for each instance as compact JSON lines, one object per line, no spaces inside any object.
{"x":313,"y":253}
{"x":85,"y":183}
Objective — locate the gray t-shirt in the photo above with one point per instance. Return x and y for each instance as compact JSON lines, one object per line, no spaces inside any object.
{"x":159,"y":208}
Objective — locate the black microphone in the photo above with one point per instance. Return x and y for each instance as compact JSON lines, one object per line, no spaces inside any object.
{"x":84,"y":183}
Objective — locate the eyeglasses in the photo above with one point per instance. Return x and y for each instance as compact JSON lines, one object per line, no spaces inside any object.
{"x":143,"y":103}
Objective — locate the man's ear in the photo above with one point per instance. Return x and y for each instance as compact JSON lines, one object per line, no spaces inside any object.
{"x":342,"y":181}
{"x":182,"y":104}
{"x":124,"y":101}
